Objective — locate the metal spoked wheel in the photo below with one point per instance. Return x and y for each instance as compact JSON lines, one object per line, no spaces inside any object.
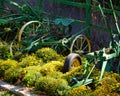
{"x":80,"y":45}
{"x":28,"y":33}
{"x":72,"y":61}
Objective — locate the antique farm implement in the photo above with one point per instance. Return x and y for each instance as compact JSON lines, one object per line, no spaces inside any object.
{"x":105,"y":57}
{"x":36,"y":29}
{"x":34,"y":35}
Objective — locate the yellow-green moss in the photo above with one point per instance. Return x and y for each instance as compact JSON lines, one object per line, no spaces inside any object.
{"x":51,"y":86}
{"x":6,"y":64}
{"x":79,"y":91}
{"x":77,"y":72}
{"x":32,"y":74}
{"x":55,"y":74}
{"x":30,"y":60}
{"x":51,"y":67}
{"x":48,"y":54}
{"x":116,"y":76}
{"x":108,"y":86}
{"x":32,"y":68}
{"x":14,"y":74}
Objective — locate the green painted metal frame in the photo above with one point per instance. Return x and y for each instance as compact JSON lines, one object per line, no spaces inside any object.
{"x":88,"y":15}
{"x":88,"y":7}
{"x":101,"y":57}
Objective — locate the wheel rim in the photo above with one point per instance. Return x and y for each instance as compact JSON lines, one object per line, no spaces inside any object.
{"x":28,"y":32}
{"x":80,"y":45}
{"x":75,"y":64}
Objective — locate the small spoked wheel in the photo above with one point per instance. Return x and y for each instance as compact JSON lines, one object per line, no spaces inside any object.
{"x":80,"y":45}
{"x":72,"y":61}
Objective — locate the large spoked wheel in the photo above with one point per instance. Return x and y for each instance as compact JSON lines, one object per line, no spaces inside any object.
{"x":28,"y":33}
{"x":72,"y":61}
{"x":80,"y":45}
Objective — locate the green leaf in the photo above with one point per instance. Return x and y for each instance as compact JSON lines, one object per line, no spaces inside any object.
{"x":63,"y":21}
{"x":3,"y":21}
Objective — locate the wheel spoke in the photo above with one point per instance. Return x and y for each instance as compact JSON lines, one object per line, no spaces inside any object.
{"x":85,"y":47}
{"x":82,"y":43}
{"x":76,"y":46}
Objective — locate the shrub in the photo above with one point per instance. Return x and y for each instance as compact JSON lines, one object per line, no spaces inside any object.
{"x":14,"y":74}
{"x":51,"y":67}
{"x":6,"y":64}
{"x":48,"y":54}
{"x":32,"y":73}
{"x":30,"y":60}
{"x":51,"y":86}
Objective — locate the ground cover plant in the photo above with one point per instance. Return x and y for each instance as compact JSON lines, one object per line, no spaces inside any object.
{"x":47,"y":77}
